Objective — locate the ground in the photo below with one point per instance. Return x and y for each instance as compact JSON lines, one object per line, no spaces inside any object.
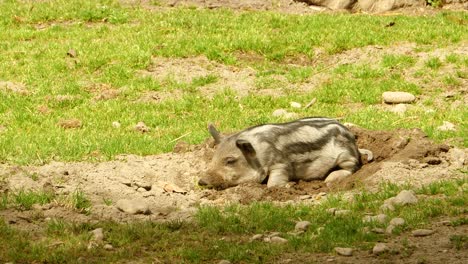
{"x":168,"y":182}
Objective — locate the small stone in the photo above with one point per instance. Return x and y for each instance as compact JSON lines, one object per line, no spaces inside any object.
{"x":137,"y":206}
{"x":224,"y":261}
{"x":331,"y":210}
{"x":422,"y":232}
{"x":399,"y":109}
{"x":344,"y":251}
{"x":116,"y":124}
{"x":380,"y":248}
{"x":302,"y":226}
{"x":342,"y":212}
{"x":140,"y":189}
{"x":141,"y":127}
{"x":405,"y":197}
{"x":257,"y":237}
{"x":389,"y":229}
{"x":279,"y":112}
{"x":387,"y":207}
{"x":305,"y":197}
{"x":457,"y":157}
{"x":446,"y":126}
{"x":98,"y":234}
{"x":397,"y":221}
{"x":144,"y":185}
{"x":108,"y":247}
{"x":296,"y":105}
{"x":278,"y":240}
{"x":92,"y":244}
{"x":398,"y":97}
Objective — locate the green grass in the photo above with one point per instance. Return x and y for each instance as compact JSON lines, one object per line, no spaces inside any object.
{"x":224,"y":233}
{"x":113,"y":43}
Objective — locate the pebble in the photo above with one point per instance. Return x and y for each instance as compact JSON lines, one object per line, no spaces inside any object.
{"x":224,"y":261}
{"x":279,"y":112}
{"x":302,"y":226}
{"x":296,"y":105}
{"x":378,"y":230}
{"x":278,"y":240}
{"x":331,"y":210}
{"x":342,"y":212}
{"x":405,"y":197}
{"x":446,"y":126}
{"x":137,"y":206}
{"x":397,"y":221}
{"x":398,"y":97}
{"x":380,"y":248}
{"x":389,"y":229}
{"x":344,"y":251}
{"x":116,"y":124}
{"x":422,"y":232}
{"x":98,"y":234}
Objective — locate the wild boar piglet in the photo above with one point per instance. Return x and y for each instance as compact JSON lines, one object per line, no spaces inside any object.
{"x":313,"y":148}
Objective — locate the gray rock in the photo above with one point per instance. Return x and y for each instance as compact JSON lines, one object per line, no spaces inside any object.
{"x":137,"y":206}
{"x":397,"y":221}
{"x":387,"y":206}
{"x":422,"y":232}
{"x":98,"y":234}
{"x":379,"y":6}
{"x":142,"y":127}
{"x":380,"y":248}
{"x":278,"y":240}
{"x":398,"y":97}
{"x":457,"y":157}
{"x":224,"y":261}
{"x":302,"y":226}
{"x":344,"y":251}
{"x":405,"y":197}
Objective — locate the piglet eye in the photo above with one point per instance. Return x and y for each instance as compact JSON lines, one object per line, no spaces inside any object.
{"x":230,"y":161}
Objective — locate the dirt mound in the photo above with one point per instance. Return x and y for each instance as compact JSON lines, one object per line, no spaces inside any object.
{"x":167,"y":183}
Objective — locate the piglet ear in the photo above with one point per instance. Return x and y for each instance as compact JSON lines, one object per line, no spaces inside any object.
{"x":246,"y":148}
{"x":249,"y":153}
{"x":214,"y":133}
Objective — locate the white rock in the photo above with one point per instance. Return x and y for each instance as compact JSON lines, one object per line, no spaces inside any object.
{"x":380,"y":248}
{"x":344,"y":251}
{"x":224,"y":261}
{"x":137,"y":206}
{"x":446,"y":126}
{"x":279,"y":112}
{"x":98,"y":234}
{"x":296,"y":105}
{"x":302,"y":226}
{"x":405,"y":197}
{"x":422,"y":232}
{"x":116,"y":124}
{"x":278,"y":240}
{"x":397,"y":221}
{"x":398,"y":97}
{"x":457,"y":157}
